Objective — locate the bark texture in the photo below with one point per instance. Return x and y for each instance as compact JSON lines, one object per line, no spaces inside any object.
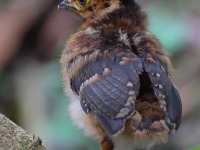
{"x":13,"y":137}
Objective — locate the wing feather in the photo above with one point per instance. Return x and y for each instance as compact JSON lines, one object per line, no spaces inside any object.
{"x":164,"y":89}
{"x":108,"y":86}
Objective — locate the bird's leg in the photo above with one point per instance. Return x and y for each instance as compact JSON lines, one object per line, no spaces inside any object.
{"x":106,"y":144}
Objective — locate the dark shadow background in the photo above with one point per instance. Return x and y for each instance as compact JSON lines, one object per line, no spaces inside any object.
{"x":32,"y":36}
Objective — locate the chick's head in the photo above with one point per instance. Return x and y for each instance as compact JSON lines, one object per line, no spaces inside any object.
{"x":88,"y":8}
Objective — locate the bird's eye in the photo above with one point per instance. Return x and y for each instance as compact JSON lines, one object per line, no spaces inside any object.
{"x":82,"y":2}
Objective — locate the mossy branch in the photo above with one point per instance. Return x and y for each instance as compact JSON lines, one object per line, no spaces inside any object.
{"x":14,"y":137}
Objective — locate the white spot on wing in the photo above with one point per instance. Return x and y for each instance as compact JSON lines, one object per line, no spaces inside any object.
{"x":131,"y":99}
{"x":158,"y":75}
{"x":162,"y":102}
{"x":173,"y":126}
{"x":163,"y":68}
{"x":160,"y":86}
{"x":106,"y":71}
{"x":131,"y":93}
{"x":129,"y":84}
{"x":163,"y":107}
{"x":123,"y":112}
{"x":161,"y":96}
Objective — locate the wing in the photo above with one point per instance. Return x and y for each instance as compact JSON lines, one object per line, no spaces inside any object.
{"x":164,"y":89}
{"x":108,"y":86}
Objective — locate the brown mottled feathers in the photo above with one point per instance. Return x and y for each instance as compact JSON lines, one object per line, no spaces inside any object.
{"x":119,"y":75}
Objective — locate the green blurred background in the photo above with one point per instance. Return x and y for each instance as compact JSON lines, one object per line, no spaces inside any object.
{"x":32,"y":36}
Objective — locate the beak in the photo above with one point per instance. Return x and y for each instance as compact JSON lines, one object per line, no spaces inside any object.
{"x":65,"y":5}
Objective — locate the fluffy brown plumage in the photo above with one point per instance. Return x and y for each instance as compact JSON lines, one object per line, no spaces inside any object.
{"x":117,"y":77}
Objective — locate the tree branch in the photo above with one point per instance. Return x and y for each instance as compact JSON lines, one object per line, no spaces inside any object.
{"x":14,"y":137}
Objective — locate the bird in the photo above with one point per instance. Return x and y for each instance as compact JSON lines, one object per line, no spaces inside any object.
{"x":118,"y":77}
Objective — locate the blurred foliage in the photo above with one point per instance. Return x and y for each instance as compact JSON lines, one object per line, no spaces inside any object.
{"x":2,"y":2}
{"x":170,"y":30}
{"x":60,"y":125}
{"x":196,"y":148}
{"x":7,"y":99}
